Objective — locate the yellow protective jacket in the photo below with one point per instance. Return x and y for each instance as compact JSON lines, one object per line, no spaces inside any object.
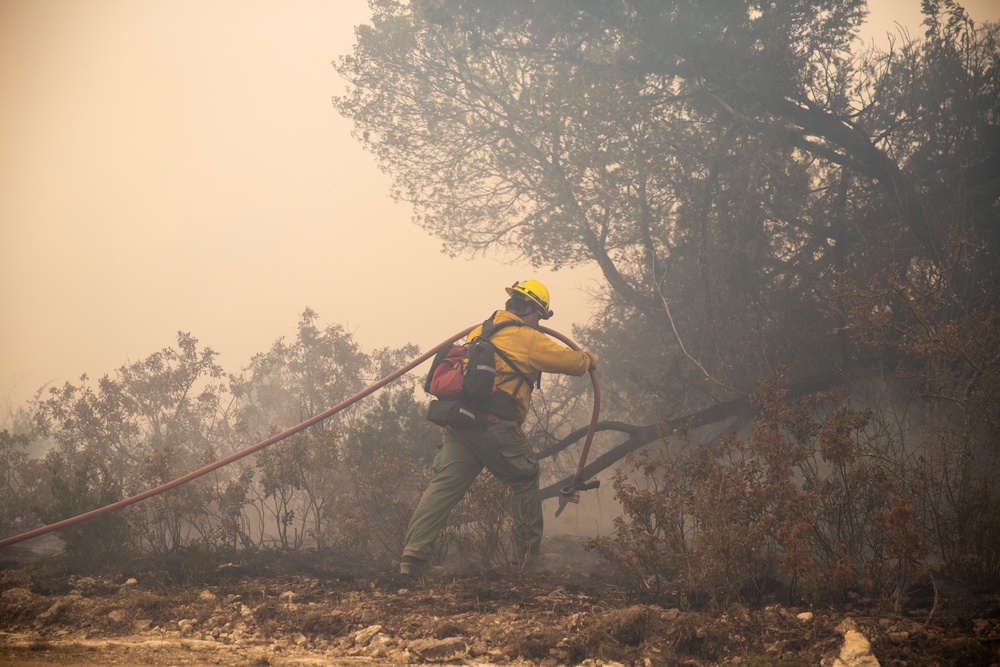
{"x":533,"y":353}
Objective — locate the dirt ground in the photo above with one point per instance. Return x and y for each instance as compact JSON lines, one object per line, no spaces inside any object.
{"x":294,"y":610}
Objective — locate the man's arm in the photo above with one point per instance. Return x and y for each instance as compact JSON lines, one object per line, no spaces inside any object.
{"x":549,"y":356}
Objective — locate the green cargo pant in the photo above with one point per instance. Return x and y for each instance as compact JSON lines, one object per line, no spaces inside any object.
{"x":463,"y":453}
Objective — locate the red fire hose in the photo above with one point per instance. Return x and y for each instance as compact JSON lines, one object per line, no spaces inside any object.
{"x":571,"y":493}
{"x":65,"y":523}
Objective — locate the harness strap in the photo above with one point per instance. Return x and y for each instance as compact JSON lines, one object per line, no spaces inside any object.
{"x":490,"y":327}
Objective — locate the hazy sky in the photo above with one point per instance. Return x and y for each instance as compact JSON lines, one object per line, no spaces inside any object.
{"x":177,"y":165}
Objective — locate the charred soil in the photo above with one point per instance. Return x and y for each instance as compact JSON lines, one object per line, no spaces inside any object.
{"x":299,"y":610}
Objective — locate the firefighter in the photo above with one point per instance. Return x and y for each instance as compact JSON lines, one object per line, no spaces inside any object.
{"x":494,"y":443}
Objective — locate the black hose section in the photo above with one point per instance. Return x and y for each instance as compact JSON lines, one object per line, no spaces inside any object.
{"x":65,"y":523}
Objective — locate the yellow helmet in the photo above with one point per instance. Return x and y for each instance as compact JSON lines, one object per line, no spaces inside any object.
{"x":535,"y":292}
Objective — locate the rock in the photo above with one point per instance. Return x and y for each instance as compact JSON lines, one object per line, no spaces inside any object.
{"x":856,"y":650}
{"x":670,"y":614}
{"x":805,"y":616}
{"x":478,"y":647}
{"x":300,"y":639}
{"x":16,"y":595}
{"x":207,"y":596}
{"x":117,"y":615}
{"x":52,"y":614}
{"x":440,"y":650}
{"x":775,"y":650}
{"x":380,"y":643}
{"x":362,"y":637}
{"x":131,"y":581}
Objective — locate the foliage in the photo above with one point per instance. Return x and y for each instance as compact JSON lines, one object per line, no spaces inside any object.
{"x":80,"y":489}
{"x":832,"y":497}
{"x":946,"y":345}
{"x":172,"y":520}
{"x":720,"y":165}
{"x":758,"y":193}
{"x":298,"y":484}
{"x":129,"y":432}
{"x":298,"y":480}
{"x":800,"y":500}
{"x":158,"y":419}
{"x":296,"y":380}
{"x":20,"y":482}
{"x":386,"y":461}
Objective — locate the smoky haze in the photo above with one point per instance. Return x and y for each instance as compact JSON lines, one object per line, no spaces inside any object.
{"x":178,"y":166}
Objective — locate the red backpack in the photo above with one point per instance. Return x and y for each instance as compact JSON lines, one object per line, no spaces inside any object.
{"x":463,"y":378}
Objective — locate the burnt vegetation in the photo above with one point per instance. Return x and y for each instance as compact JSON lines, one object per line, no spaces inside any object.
{"x":798,"y":327}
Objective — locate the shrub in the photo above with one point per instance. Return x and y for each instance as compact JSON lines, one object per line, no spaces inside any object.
{"x":798,"y":501}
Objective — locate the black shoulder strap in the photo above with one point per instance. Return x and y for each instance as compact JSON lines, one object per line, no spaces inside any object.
{"x":490,"y":327}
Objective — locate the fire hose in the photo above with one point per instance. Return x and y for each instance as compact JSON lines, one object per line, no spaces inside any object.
{"x":569,"y":493}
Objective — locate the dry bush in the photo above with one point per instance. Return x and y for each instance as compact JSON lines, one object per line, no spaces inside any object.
{"x":372,"y":512}
{"x":935,"y":325}
{"x":838,"y":494}
{"x":797,"y":503}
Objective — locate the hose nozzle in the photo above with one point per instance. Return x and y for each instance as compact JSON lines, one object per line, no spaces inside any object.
{"x":571,"y":493}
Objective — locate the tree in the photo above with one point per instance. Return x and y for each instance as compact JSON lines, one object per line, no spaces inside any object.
{"x":294,"y":381}
{"x":299,"y":478}
{"x":739,"y":173}
{"x":387,"y":453}
{"x":722,"y":164}
{"x":21,"y":485}
{"x":150,"y":422}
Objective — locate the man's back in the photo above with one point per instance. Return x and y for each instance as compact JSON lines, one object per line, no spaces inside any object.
{"x":533,"y":353}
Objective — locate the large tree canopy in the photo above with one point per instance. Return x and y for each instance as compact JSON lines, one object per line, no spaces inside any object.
{"x":725,"y":165}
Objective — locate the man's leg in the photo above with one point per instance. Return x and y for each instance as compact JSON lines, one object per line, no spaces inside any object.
{"x":455,"y":469}
{"x":507,"y":454}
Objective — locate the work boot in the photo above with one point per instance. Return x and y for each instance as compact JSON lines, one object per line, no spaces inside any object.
{"x":418,"y":567}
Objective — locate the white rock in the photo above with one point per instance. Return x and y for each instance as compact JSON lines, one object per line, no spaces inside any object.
{"x":856,"y":650}
{"x":362,"y":637}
